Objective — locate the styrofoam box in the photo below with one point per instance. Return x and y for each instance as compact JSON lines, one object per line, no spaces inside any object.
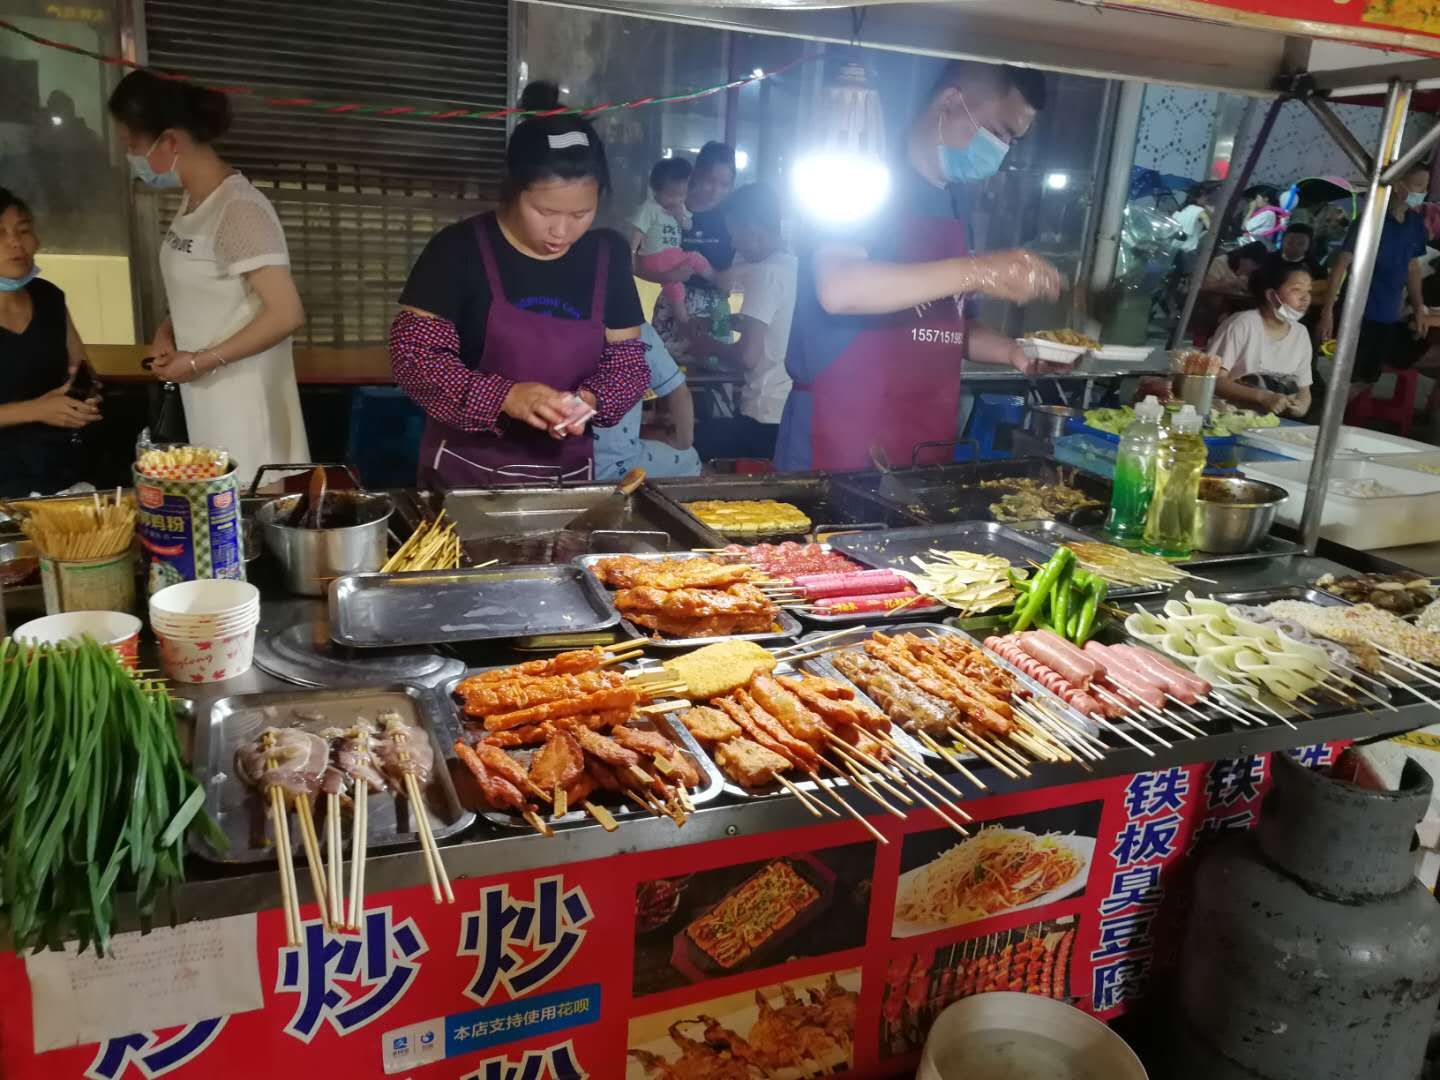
{"x":1123,"y":354}
{"x":1428,"y":463}
{"x":1052,"y":352}
{"x":1410,"y":517}
{"x":1297,"y":441}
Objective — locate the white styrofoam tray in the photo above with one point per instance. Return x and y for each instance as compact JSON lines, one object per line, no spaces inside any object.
{"x":1052,"y":352}
{"x":1298,"y":441}
{"x":1428,"y":463}
{"x":1410,"y":516}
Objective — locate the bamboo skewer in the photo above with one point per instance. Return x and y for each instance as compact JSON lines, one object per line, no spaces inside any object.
{"x":439,"y":879}
{"x":981,"y":751}
{"x":359,"y":843}
{"x":287,"y":866}
{"x":1131,"y":715}
{"x":815,"y":806}
{"x":871,"y":829}
{"x":305,"y":815}
{"x":601,"y":815}
{"x":954,"y":762}
{"x":335,"y":868}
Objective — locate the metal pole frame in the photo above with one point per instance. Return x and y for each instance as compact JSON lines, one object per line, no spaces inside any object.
{"x":1235,"y":182}
{"x":1367,"y":247}
{"x":1401,"y":165}
{"x":1336,"y":129}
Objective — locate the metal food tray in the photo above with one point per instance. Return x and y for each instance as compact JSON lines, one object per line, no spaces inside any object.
{"x":242,"y":811}
{"x":712,"y":783}
{"x":789,"y":625}
{"x":814,"y":667}
{"x":946,"y":493}
{"x":823,"y":666}
{"x":892,"y":550}
{"x":431,"y":606}
{"x":494,"y":521}
{"x":1271,"y":547}
{"x":826,"y":500}
{"x":1054,"y":532}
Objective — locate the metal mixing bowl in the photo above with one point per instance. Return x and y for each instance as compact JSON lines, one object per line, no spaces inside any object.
{"x":1235,"y":514}
{"x":1048,"y":421}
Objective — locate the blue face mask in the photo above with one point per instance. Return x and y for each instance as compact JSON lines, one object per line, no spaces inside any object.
{"x":979,"y":160}
{"x":141,"y":170}
{"x":15,"y":284}
{"x":1415,"y":199}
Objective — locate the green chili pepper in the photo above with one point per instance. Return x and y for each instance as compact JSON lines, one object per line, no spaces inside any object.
{"x":1033,"y":606}
{"x":1093,"y":601}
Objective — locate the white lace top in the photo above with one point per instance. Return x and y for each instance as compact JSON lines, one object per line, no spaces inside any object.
{"x":252,"y":406}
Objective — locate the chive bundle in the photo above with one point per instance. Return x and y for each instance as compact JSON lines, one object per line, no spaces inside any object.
{"x":94,"y":797}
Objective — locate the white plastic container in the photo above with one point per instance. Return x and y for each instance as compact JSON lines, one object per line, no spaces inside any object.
{"x":1410,"y":516}
{"x":1052,"y":352}
{"x":1123,"y":354}
{"x":1428,"y":463}
{"x":1001,"y":1035}
{"x":1297,"y":441}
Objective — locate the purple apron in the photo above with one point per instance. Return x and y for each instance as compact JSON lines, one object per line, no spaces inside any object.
{"x":523,"y":346}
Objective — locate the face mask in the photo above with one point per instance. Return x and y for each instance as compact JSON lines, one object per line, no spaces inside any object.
{"x":1415,"y":199}
{"x":15,"y":284}
{"x":979,"y":160}
{"x":141,"y":170}
{"x":1288,"y":313}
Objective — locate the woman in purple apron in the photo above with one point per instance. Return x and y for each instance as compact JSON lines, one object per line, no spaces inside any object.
{"x":516,"y":324}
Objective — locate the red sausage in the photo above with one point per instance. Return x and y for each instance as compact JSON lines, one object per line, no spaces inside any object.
{"x":835,"y":605}
{"x":1059,"y":655}
{"x":1052,"y":680}
{"x":1122,"y":673}
{"x":1187,"y":687}
{"x":860,"y":583}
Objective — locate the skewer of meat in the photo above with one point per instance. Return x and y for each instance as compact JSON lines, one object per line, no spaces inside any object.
{"x":978,"y":712}
{"x":498,"y":785}
{"x":526,"y":692}
{"x":407,"y":757}
{"x":598,"y":702}
{"x":355,"y":758}
{"x":555,"y":766}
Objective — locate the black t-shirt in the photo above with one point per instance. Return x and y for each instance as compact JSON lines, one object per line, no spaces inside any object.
{"x":448,"y":280}
{"x":35,"y":457}
{"x":709,"y":236}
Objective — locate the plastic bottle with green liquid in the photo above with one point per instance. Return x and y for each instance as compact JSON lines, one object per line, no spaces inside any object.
{"x":1170,"y":523}
{"x":1135,"y":474}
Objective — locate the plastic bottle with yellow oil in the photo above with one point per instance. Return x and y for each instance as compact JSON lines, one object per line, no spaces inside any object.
{"x":1170,"y":524}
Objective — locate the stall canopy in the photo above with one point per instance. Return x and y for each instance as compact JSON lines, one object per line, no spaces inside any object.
{"x":1242,"y":46}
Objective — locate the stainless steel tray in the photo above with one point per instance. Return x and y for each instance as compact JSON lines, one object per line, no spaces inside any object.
{"x":1056,"y":533}
{"x":242,"y":811}
{"x":378,"y":610}
{"x":825,"y":499}
{"x":789,"y":625}
{"x":711,"y":782}
{"x":824,"y":666}
{"x":1271,"y":547}
{"x":892,"y":550}
{"x":1261,"y":597}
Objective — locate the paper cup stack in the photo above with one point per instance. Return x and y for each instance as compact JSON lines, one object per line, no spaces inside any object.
{"x":206,"y":628}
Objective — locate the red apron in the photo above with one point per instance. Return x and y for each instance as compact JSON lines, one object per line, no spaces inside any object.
{"x":524,"y":346}
{"x":898,"y":381}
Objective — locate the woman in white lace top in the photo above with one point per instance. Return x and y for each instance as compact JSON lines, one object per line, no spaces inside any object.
{"x":233,"y":304}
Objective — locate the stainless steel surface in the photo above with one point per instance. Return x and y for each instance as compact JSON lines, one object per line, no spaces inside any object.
{"x":509,"y":523}
{"x":1235,"y":181}
{"x":965,"y":491}
{"x":622,"y":810}
{"x":1048,"y":421}
{"x":1260,"y":597}
{"x":1196,"y":390}
{"x":1268,"y":547}
{"x":20,"y":603}
{"x":432,"y":606}
{"x":1367,"y":247}
{"x":789,"y":626}
{"x":242,"y":811}
{"x":303,"y":654}
{"x":893,"y":550}
{"x":1235,"y":515}
{"x":825,"y":499}
{"x":312,"y":558}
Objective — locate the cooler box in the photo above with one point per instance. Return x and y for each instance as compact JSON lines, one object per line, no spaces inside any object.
{"x":1406,"y":511}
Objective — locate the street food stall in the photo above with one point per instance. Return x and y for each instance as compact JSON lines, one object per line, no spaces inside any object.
{"x":741,"y":777}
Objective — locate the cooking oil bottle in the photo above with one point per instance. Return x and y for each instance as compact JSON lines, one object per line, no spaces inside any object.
{"x":1170,"y":522}
{"x":1135,"y":474}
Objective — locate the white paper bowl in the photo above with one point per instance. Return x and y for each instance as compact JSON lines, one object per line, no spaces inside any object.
{"x":213,"y":660}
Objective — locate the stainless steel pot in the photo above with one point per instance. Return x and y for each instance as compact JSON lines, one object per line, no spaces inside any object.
{"x":312,"y":558}
{"x":1235,"y":514}
{"x":1048,"y":421}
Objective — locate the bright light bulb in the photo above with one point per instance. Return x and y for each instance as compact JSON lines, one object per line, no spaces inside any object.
{"x":758,"y":73}
{"x":840,"y":187}
{"x":742,"y":160}
{"x":57,"y":121}
{"x":667,"y":153}
{"x":1057,"y":181}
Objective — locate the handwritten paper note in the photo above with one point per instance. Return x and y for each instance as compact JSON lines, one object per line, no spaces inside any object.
{"x":150,"y":981}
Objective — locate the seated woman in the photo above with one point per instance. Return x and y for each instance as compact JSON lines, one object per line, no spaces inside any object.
{"x":1266,"y":354}
{"x":42,"y":354}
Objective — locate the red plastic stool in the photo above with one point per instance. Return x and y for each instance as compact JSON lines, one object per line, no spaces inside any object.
{"x":1398,"y":410}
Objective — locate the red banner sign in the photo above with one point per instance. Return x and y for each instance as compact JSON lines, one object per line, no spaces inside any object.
{"x":1413,"y":25}
{"x":803,"y":951}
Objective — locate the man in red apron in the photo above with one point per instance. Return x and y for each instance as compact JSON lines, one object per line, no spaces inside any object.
{"x":881,"y":321}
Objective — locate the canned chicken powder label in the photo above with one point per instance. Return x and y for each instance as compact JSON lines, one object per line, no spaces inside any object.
{"x":189,"y":529}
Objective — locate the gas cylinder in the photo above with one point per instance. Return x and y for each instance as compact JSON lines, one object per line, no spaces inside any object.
{"x":1311,"y":951}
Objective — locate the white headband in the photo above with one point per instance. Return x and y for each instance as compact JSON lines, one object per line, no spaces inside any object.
{"x":569,"y":139}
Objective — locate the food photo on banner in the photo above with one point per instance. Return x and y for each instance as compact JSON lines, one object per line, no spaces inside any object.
{"x":1009,"y":865}
{"x":1033,"y":959}
{"x":799,"y":1027}
{"x":734,"y":919}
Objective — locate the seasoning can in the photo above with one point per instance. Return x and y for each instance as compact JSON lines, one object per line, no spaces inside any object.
{"x":105,"y":584}
{"x":189,"y":529}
